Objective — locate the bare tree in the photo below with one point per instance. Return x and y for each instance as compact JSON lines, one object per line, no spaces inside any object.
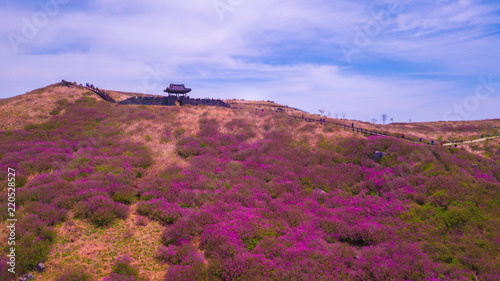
{"x":329,"y":113}
{"x":336,"y":115}
{"x":392,"y":119}
{"x":321,"y":111}
{"x":374,"y":120}
{"x":384,"y":118}
{"x":343,"y":115}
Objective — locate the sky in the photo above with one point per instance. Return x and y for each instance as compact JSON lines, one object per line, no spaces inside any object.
{"x":413,"y":60}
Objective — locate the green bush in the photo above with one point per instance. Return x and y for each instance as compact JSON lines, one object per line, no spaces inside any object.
{"x":456,"y":216}
{"x":100,"y":210}
{"x":122,"y":267}
{"x":55,"y":111}
{"x":32,"y":249}
{"x":86,"y":101}
{"x":330,"y":128}
{"x":125,"y":196}
{"x":74,"y":275}
{"x":29,"y":127}
{"x":179,"y":132}
{"x":61,"y":101}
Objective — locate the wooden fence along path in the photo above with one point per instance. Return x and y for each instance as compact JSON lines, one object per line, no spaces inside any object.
{"x":106,"y":97}
{"x":368,"y":132}
{"x":354,"y":129}
{"x":471,"y":141}
{"x":101,"y":93}
{"x":373,"y":133}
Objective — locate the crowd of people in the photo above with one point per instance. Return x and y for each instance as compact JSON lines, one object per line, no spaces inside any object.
{"x":92,"y":87}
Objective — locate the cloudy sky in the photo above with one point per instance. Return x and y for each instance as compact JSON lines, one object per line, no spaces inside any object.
{"x":420,"y":60}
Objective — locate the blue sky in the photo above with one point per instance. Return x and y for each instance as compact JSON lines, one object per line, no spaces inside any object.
{"x":418,"y":60}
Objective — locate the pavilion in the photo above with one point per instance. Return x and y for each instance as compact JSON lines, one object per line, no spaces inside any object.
{"x":177,"y":89}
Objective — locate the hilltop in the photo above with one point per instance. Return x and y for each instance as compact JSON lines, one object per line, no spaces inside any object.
{"x":258,"y":191}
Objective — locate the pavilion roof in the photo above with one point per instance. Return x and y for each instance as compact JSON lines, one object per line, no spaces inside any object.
{"x":177,"y":89}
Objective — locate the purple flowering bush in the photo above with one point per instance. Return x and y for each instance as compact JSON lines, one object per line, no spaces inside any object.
{"x":49,"y":213}
{"x":159,"y":209}
{"x":274,"y":210}
{"x":123,"y":270}
{"x":76,"y":161}
{"x":186,"y":273}
{"x":101,"y":210}
{"x":184,"y":254}
{"x":31,"y":249}
{"x":180,"y":232}
{"x":288,"y":205}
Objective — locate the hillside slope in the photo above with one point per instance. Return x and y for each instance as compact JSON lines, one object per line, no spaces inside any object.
{"x":106,"y":192}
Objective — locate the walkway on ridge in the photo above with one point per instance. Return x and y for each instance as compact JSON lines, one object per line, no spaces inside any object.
{"x":106,"y":97}
{"x":101,"y":93}
{"x":370,"y":132}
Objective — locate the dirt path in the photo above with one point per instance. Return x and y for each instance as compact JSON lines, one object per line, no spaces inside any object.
{"x":472,"y":141}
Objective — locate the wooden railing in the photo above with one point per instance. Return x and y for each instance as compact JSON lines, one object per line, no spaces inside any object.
{"x":354,"y":129}
{"x":101,"y":93}
{"x":106,"y":97}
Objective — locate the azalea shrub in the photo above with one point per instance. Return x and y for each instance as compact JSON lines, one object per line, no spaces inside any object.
{"x":159,"y":209}
{"x":185,"y":254}
{"x":277,"y":209}
{"x":123,"y":270}
{"x":280,"y":201}
{"x":100,"y":210}
{"x":48,"y":213}
{"x":31,"y":249}
{"x":75,"y":161}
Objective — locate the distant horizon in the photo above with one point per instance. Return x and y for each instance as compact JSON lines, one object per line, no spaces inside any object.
{"x":419,"y":60}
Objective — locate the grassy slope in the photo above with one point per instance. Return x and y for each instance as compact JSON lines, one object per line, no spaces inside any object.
{"x":437,"y":131}
{"x":34,"y":107}
{"x":82,"y":244}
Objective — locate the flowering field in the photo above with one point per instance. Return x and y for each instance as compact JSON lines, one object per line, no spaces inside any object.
{"x":245,"y":195}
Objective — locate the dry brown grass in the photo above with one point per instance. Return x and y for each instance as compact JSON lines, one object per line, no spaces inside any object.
{"x":121,"y":96}
{"x":34,"y":107}
{"x":485,"y":149}
{"x":302,"y":130}
{"x":439,"y":130}
{"x":82,"y":245}
{"x":445,"y":130}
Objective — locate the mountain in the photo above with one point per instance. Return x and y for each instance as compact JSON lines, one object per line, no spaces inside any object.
{"x":258,"y":191}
